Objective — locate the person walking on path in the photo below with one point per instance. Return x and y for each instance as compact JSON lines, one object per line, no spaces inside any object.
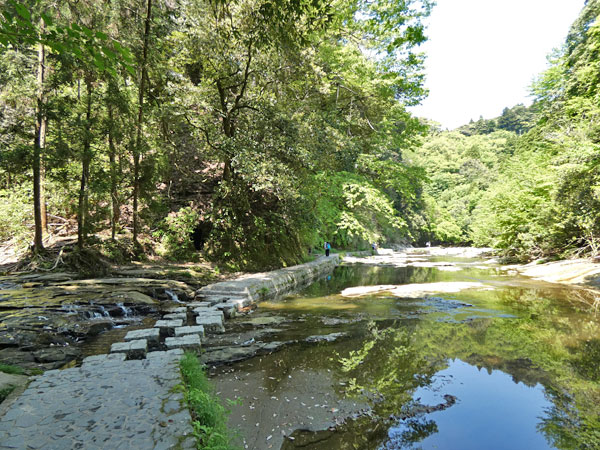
{"x":327,"y":247}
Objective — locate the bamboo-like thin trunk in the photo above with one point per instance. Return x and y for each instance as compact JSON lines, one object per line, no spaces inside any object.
{"x":86,"y":159}
{"x":114,"y":195}
{"x":140,"y":121}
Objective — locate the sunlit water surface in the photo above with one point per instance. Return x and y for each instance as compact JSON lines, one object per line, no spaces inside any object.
{"x":511,"y":365}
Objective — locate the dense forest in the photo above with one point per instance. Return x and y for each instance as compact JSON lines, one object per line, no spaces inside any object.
{"x":250,"y":131}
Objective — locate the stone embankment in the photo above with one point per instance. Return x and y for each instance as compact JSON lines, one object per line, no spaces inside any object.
{"x":251,"y":288}
{"x":126,"y":399}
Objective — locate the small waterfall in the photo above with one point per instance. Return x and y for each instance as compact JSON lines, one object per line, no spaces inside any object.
{"x":126,"y":311}
{"x":103,"y":311}
{"x":173,"y":296}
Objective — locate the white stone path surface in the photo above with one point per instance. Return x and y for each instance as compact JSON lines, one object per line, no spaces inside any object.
{"x":107,"y":403}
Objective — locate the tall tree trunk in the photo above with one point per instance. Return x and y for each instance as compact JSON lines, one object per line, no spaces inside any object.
{"x":140,"y":121}
{"x":43,"y":211}
{"x":114,"y":195}
{"x":86,"y":159}
{"x":38,"y":147}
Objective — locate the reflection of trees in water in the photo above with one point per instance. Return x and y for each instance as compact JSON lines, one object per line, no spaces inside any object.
{"x":564,"y":300}
{"x":367,"y":275}
{"x":387,"y":365}
{"x":393,"y":362}
{"x":565,"y":426}
{"x":587,"y":360}
{"x":413,"y":430}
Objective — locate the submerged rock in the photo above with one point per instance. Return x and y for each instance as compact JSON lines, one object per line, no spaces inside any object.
{"x":325,"y":337}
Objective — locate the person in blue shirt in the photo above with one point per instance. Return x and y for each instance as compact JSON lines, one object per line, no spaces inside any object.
{"x":327,"y":247}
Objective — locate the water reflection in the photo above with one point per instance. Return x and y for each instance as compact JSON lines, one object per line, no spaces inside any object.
{"x":491,"y":412}
{"x":513,"y":367}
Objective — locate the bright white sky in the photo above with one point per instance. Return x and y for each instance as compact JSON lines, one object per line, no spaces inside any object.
{"x":482,"y":55}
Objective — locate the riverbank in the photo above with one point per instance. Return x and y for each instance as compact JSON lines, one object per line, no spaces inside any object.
{"x":583,"y":272}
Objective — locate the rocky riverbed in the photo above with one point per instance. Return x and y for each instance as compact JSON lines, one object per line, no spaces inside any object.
{"x":47,"y":318}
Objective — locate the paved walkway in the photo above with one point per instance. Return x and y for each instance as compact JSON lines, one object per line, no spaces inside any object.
{"x":106,"y":403}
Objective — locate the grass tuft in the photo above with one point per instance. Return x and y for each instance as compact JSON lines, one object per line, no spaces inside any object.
{"x":208,"y":415}
{"x":14,"y":370}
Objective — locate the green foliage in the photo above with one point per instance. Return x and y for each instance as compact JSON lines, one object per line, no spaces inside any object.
{"x":175,"y":233}
{"x":15,"y":212}
{"x":5,"y":392}
{"x":15,"y":370}
{"x":352,"y":212}
{"x":236,"y":117}
{"x":518,"y":119}
{"x":208,"y":415}
{"x":543,"y":197}
{"x":460,"y":170}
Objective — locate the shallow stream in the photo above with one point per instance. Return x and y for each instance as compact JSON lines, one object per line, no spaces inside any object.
{"x":487,"y":360}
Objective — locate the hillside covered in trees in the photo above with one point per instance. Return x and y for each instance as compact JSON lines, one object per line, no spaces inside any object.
{"x":254,"y":130}
{"x":527,"y":182}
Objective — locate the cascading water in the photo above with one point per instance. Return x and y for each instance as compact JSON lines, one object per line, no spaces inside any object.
{"x":173,"y":296}
{"x":127,"y":312}
{"x":103,"y":311}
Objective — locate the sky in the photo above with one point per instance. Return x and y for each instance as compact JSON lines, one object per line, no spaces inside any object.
{"x":482,"y":55}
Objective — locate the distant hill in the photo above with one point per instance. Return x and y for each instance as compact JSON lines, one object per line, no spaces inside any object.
{"x":519,"y":119}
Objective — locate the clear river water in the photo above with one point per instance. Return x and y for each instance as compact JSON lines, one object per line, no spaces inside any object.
{"x":414,"y":351}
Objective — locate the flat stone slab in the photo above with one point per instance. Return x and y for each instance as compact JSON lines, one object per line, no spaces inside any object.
{"x":197,"y":329}
{"x":152,"y":335}
{"x":211,"y":324}
{"x":114,"y":359}
{"x":132,"y":404}
{"x":209,"y":312}
{"x":179,"y":309}
{"x":167,"y":326}
{"x":133,"y":349}
{"x":175,"y":316}
{"x":229,"y":310}
{"x":193,"y":305}
{"x":187,"y":341}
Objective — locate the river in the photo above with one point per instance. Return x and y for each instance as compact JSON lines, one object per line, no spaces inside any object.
{"x":419,"y":351}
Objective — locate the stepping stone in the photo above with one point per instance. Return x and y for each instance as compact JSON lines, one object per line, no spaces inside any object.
{"x":188,"y":341}
{"x":199,"y":305}
{"x":210,"y":312}
{"x":211,"y":324}
{"x":197,"y":329}
{"x":179,"y":309}
{"x":167,"y":326}
{"x":161,"y":355}
{"x":152,"y":335}
{"x":133,"y":349}
{"x":175,"y":316}
{"x":229,"y":309}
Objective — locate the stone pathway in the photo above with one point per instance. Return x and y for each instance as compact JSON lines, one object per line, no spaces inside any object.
{"x":126,"y":399}
{"x":106,"y":403}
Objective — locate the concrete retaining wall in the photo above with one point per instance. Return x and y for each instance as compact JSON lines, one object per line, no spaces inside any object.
{"x":261,"y":286}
